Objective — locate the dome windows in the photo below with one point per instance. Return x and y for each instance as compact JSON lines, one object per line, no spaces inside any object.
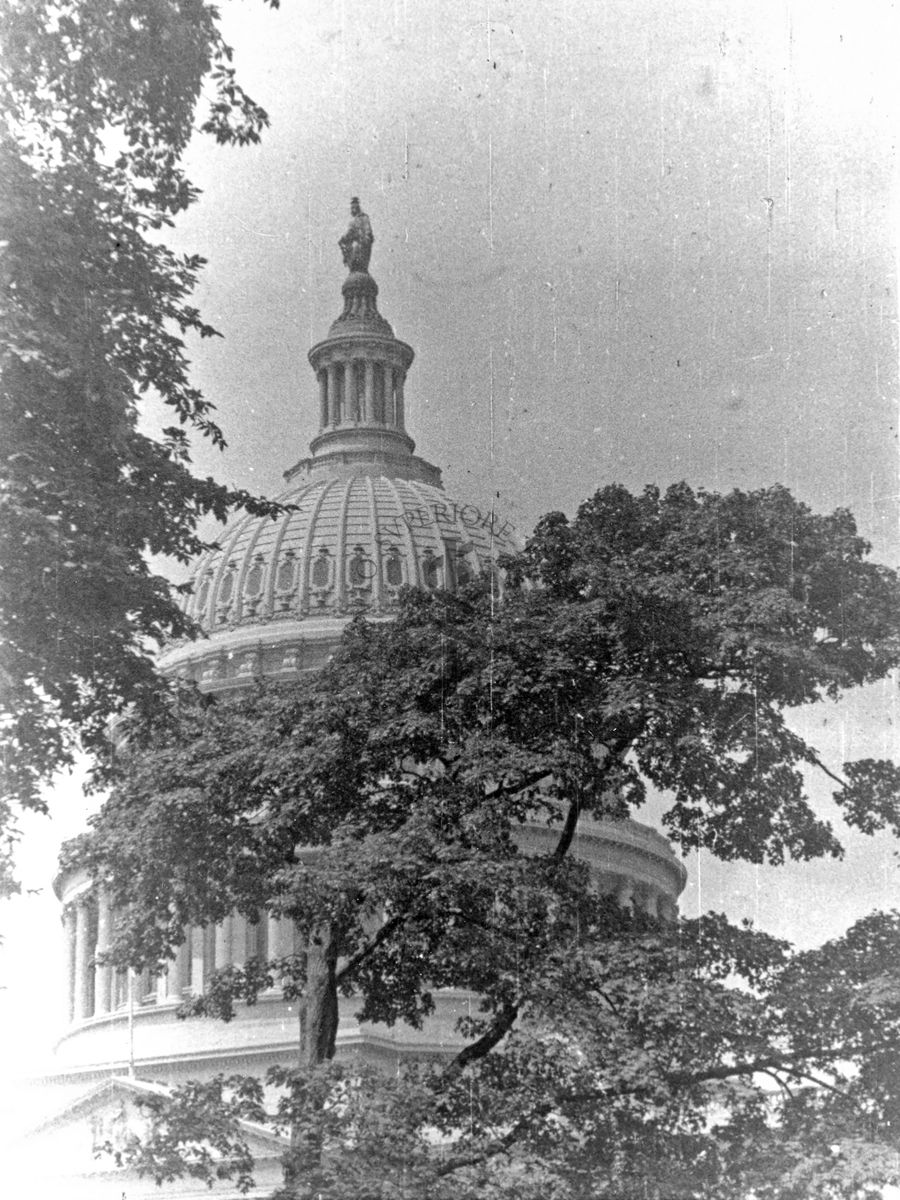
{"x":321,"y":576}
{"x":253,"y":584}
{"x":227,"y":585}
{"x":431,"y":569}
{"x":226,"y":591}
{"x":463,"y":570}
{"x":393,"y":567}
{"x":284,"y":580}
{"x":361,"y":570}
{"x":344,"y":544}
{"x":321,"y":572}
{"x":255,"y":577}
{"x":203,"y":594}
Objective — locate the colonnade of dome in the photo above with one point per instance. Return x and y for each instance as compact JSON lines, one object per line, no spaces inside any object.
{"x":95,"y":988}
{"x":629,"y":861}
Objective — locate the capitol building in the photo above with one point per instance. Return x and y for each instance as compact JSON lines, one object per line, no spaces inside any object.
{"x":364,"y":517}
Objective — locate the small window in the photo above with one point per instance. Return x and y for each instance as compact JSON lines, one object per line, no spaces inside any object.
{"x":227,"y":587}
{"x":203,"y":595}
{"x":254,"y":579}
{"x":393,"y":567}
{"x":320,"y":571}
{"x":285,"y":576}
{"x":431,"y":569}
{"x":463,"y":570}
{"x":360,"y":570}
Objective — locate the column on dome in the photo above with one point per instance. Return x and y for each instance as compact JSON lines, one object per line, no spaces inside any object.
{"x":103,"y":972}
{"x":273,"y":943}
{"x":224,"y":932}
{"x":180,"y":970}
{"x":398,"y":399}
{"x":323,"y":398}
{"x":120,"y":988}
{"x":146,"y":986}
{"x":369,"y":391}
{"x":348,"y":396}
{"x":254,"y":938}
{"x":173,"y":976}
{"x":238,"y":940}
{"x":273,"y":936}
{"x":356,"y":368}
{"x":83,"y":976}
{"x":279,"y":937}
{"x":343,"y":393}
{"x":165,"y":982}
{"x":389,"y":403}
{"x":198,"y":959}
{"x":378,"y":406}
{"x":334,"y":406}
{"x":69,"y":934}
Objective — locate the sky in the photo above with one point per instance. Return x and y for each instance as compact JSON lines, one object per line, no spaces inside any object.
{"x":630,"y":241}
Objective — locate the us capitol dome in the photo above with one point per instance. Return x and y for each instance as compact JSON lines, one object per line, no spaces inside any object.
{"x":364,"y":516}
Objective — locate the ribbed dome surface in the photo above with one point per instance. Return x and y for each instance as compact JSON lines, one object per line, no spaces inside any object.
{"x":276,"y":596}
{"x":349,"y":546}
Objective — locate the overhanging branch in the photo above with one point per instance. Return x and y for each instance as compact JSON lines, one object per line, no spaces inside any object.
{"x":675,"y":1079}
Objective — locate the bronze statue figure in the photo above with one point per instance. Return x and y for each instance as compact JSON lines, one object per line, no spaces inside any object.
{"x":356,"y":244}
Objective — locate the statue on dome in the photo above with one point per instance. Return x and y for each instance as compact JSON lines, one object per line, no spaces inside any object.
{"x":356,"y":244}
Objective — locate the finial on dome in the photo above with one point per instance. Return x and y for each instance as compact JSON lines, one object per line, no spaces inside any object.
{"x":356,"y":244}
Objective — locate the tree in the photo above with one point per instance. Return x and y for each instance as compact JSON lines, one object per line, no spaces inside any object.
{"x":657,"y":639}
{"x":99,"y":101}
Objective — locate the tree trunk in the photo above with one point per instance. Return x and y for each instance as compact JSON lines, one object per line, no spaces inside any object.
{"x":319,"y":1019}
{"x":318,"y":1031}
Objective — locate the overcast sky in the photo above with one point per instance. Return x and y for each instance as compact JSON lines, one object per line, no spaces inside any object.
{"x":631,"y":241}
{"x":636,"y":241}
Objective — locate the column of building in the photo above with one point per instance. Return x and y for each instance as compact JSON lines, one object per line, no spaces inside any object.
{"x":371,"y":397}
{"x":95,"y":988}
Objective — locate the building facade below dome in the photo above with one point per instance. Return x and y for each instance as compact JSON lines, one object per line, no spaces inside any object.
{"x":114,"y":1020}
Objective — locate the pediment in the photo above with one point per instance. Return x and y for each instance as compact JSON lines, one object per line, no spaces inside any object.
{"x":63,"y":1154}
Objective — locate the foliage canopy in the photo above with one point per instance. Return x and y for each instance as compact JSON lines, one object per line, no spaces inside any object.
{"x":655,"y":640}
{"x":99,"y":101}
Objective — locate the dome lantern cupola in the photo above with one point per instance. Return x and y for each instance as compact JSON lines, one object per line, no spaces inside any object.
{"x":364,"y":516}
{"x":361,"y":371}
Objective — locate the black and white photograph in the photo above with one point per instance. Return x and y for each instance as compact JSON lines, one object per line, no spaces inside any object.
{"x":450,"y":597}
